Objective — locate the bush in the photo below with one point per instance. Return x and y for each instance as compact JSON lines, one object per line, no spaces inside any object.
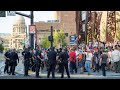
{"x":1,"y":48}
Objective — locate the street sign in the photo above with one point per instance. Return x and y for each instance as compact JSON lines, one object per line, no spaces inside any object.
{"x":32,"y":29}
{"x":72,"y":40}
{"x":11,"y":13}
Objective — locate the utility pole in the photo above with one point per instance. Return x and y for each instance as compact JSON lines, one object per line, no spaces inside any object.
{"x":51,"y":36}
{"x":31,"y":38}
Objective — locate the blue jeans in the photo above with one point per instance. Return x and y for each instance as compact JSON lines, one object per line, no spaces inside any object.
{"x":88,"y":66}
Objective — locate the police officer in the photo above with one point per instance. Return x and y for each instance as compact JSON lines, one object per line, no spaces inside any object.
{"x":64,"y":62}
{"x":52,"y":62}
{"x":13,"y":61}
{"x":38,"y":57}
{"x":27,"y":55}
{"x":7,"y":57}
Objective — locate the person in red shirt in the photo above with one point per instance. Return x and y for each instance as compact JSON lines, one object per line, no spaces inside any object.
{"x":72,"y":59}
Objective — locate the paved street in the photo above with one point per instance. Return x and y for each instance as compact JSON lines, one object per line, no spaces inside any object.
{"x":43,"y":74}
{"x":75,"y":76}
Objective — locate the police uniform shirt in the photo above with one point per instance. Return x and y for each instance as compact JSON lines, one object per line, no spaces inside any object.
{"x":37,"y":54}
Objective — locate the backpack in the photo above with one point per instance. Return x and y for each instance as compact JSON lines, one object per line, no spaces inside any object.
{"x":80,"y":56}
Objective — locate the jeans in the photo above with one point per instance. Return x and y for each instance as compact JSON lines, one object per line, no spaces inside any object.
{"x":117,"y":66}
{"x":88,"y":66}
{"x":103,"y":65}
{"x":73,"y":67}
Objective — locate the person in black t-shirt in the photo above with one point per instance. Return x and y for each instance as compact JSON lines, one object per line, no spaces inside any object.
{"x":103,"y":62}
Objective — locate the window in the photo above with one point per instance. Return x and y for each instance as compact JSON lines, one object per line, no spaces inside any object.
{"x":14,"y":29}
{"x":19,"y":29}
{"x":83,"y":26}
{"x":58,"y":30}
{"x":22,"y":30}
{"x":83,"y":12}
{"x":66,"y":34}
{"x":83,"y":15}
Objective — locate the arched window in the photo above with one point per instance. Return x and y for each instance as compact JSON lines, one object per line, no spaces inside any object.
{"x":14,"y":29}
{"x":19,"y":29}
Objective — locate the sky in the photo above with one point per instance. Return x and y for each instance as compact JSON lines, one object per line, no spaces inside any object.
{"x":6,"y":23}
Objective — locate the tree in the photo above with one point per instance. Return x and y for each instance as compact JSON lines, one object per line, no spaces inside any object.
{"x":45,"y":42}
{"x":56,"y":38}
{"x":59,"y":38}
{"x":62,"y":36}
{"x":1,"y":48}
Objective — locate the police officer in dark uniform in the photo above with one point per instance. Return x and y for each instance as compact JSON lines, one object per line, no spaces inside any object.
{"x":7,"y":57}
{"x":64,"y":62}
{"x":27,"y":55}
{"x":38,"y":56}
{"x":52,"y":62}
{"x":13,"y":61}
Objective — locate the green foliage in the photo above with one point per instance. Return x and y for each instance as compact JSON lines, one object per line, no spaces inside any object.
{"x":59,"y":38}
{"x":56,"y":38}
{"x":117,"y":33}
{"x":1,"y":48}
{"x":64,"y":44}
{"x":45,"y":42}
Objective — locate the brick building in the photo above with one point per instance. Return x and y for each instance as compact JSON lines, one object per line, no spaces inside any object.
{"x":65,"y":20}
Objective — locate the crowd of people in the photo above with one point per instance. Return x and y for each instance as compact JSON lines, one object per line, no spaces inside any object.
{"x":75,"y":59}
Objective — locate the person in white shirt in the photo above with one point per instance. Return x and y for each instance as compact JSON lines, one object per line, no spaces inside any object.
{"x":88,"y":61}
{"x":115,"y":57}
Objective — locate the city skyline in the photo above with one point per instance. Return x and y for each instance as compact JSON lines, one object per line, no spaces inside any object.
{"x":6,"y":23}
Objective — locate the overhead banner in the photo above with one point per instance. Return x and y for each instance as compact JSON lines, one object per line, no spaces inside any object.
{"x":11,"y":13}
{"x":32,"y":29}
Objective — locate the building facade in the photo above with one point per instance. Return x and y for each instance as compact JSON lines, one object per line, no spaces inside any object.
{"x":64,"y":20}
{"x":18,"y":36}
{"x":5,"y":40}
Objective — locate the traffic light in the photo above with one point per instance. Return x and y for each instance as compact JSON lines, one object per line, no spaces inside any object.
{"x":50,"y":38}
{"x":2,"y":14}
